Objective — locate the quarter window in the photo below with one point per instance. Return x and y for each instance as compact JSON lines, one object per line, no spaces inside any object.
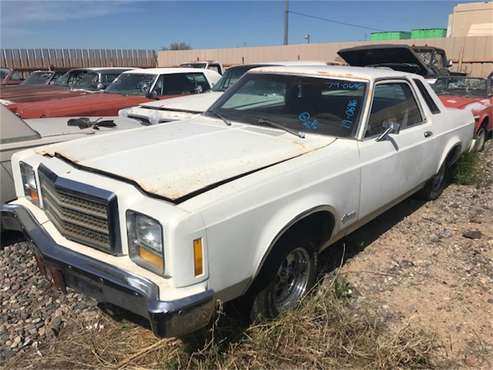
{"x":392,"y":103}
{"x":426,"y":95}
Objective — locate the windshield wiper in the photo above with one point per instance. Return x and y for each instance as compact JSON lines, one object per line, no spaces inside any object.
{"x":84,"y":122}
{"x":221,"y":117}
{"x":282,"y":127}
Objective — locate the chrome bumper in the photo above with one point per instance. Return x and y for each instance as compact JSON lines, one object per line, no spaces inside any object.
{"x":109,"y":284}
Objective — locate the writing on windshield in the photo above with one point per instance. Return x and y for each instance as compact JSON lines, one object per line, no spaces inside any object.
{"x":309,"y":104}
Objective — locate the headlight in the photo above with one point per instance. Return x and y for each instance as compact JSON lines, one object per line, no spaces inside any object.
{"x":29,"y":183}
{"x":145,"y":242}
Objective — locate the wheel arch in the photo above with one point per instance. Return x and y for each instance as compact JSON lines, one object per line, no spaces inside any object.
{"x":451,"y":154}
{"x":318,"y":221}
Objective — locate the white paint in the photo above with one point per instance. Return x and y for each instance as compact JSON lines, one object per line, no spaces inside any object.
{"x":240,"y":219}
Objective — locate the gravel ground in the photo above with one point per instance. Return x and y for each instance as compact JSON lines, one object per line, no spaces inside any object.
{"x":32,"y":312}
{"x":430,"y":263}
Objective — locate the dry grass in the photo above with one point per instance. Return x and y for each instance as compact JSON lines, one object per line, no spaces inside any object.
{"x":328,"y":330}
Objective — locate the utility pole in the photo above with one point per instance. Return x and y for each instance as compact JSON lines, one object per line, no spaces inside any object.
{"x":286,"y":21}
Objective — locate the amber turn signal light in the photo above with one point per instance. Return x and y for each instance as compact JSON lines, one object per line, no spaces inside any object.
{"x":198,"y":257}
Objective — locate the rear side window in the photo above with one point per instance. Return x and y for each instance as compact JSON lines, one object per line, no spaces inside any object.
{"x":426,"y":95}
{"x":181,"y":83}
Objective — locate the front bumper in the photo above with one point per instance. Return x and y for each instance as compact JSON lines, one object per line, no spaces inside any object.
{"x":109,"y":284}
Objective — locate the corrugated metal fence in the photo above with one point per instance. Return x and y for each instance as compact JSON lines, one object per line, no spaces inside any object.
{"x":34,"y":59}
{"x":473,"y":55}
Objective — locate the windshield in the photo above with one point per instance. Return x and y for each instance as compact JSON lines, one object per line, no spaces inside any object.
{"x":461,"y":86}
{"x":131,"y":84}
{"x":308,"y":104}
{"x":230,"y":76}
{"x":38,"y":78}
{"x":194,"y":65}
{"x":79,"y":79}
{"x":3,"y":73}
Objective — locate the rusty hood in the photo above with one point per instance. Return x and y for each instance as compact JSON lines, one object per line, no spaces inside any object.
{"x":178,"y":160}
{"x":98,"y":104}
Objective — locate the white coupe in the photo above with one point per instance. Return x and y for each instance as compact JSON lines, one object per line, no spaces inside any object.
{"x":165,"y":220}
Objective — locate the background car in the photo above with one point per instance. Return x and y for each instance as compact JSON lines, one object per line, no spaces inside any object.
{"x":129,"y":89}
{"x":42,"y":78}
{"x":187,"y":106}
{"x":425,"y":61}
{"x":10,"y":77}
{"x":76,"y":82}
{"x":473,"y":94}
{"x":18,"y":134}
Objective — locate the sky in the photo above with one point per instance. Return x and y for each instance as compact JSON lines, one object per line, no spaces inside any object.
{"x":203,"y":24}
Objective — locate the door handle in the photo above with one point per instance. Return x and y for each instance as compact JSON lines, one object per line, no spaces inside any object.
{"x":428,"y":133}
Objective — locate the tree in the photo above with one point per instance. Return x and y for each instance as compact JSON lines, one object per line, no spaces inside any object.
{"x":177,"y":45}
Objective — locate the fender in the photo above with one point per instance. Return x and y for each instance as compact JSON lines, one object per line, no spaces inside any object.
{"x":451,"y":145}
{"x":286,"y":218}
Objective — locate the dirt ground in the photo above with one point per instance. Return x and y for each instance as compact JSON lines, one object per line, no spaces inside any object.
{"x":431,"y":265}
{"x":426,"y":265}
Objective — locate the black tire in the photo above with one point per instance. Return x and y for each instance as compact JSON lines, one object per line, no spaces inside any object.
{"x":272,"y":291}
{"x":480,"y":139}
{"x":434,"y":186}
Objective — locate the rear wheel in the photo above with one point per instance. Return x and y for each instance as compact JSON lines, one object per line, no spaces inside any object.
{"x":288,"y":274}
{"x":480,"y":140}
{"x":434,"y":187}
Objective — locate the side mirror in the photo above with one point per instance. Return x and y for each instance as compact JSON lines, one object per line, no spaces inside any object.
{"x":151,"y":94}
{"x":390,"y":128}
{"x":100,"y":86}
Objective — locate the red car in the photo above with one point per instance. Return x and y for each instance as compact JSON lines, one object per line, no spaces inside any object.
{"x":10,"y":77}
{"x":474,"y":94}
{"x":129,"y":89}
{"x":76,"y":82}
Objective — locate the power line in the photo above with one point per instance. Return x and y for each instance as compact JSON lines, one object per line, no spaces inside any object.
{"x":334,"y":21}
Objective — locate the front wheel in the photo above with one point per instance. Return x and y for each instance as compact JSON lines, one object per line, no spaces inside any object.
{"x":288,"y":274}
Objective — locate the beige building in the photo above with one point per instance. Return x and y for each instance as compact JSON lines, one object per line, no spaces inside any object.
{"x":471,"y":19}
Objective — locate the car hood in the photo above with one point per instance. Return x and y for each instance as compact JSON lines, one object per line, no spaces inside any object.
{"x":172,"y":109}
{"x":398,"y":57}
{"x":22,"y":90}
{"x":49,"y":127}
{"x":93,"y":104}
{"x":178,"y":160}
{"x":473,"y":104}
{"x":197,"y":103}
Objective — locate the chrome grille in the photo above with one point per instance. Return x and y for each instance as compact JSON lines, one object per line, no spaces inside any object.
{"x":77,"y":216}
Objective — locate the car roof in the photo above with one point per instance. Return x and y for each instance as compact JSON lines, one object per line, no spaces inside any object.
{"x":344,"y":72}
{"x":162,"y":71}
{"x":108,"y":68}
{"x":280,"y":63}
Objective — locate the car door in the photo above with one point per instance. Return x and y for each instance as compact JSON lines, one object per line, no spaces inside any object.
{"x":398,"y":164}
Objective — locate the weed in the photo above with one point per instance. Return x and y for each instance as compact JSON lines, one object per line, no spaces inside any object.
{"x":467,"y":170}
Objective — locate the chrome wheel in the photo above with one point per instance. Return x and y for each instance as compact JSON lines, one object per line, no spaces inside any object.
{"x":291,"y":280}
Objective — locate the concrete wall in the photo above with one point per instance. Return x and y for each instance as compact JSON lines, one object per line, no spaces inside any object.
{"x":473,"y":55}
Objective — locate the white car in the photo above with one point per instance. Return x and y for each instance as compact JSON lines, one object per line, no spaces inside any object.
{"x":165,"y":220}
{"x":186,"y":107}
